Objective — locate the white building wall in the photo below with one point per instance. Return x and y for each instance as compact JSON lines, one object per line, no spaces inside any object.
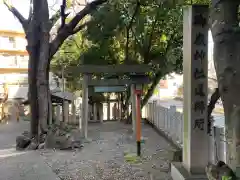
{"x":13,"y":43}
{"x":16,"y":92}
{"x":13,"y":61}
{"x":174,"y":81}
{"x":18,"y":84}
{"x":21,"y":43}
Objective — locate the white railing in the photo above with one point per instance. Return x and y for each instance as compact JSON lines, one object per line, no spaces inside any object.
{"x":170,"y":122}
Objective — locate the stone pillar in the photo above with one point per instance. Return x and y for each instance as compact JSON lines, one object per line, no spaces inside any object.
{"x":108,"y":110}
{"x":118,"y":105}
{"x":195,"y":80}
{"x":121,"y":106}
{"x":84,"y":119}
{"x":58,"y":114}
{"x":127,"y":111}
{"x":73,"y":118}
{"x":66,"y":111}
{"x":95,"y":118}
{"x":119,"y":110}
{"x":51,"y":115}
{"x":101,"y":112}
{"x":134,"y":114}
{"x":80,"y":116}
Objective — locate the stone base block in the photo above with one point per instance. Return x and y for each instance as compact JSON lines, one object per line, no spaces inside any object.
{"x":178,"y":172}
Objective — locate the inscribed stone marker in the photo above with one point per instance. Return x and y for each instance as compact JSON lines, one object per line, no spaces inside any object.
{"x":195,"y":146}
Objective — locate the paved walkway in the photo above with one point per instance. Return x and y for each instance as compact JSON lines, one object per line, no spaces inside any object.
{"x":104,"y":158}
{"x":16,"y":165}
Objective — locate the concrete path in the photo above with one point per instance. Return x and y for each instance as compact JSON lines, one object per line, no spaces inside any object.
{"x":103,"y":158}
{"x":15,"y":165}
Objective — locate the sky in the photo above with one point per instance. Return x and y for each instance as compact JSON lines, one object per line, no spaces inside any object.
{"x":11,"y":23}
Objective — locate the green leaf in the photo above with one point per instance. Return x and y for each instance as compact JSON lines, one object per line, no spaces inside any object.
{"x":163,"y":38}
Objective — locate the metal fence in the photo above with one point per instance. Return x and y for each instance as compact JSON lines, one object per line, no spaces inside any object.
{"x":170,"y":122}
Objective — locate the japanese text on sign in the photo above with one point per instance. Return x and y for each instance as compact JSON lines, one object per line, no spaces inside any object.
{"x":199,"y":123}
{"x":199,"y":19}
{"x":199,"y":71}
{"x":200,"y":40}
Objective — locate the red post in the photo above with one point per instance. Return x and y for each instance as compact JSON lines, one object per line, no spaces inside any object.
{"x":138,"y":122}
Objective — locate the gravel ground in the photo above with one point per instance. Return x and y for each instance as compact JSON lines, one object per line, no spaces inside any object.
{"x":104,"y":157}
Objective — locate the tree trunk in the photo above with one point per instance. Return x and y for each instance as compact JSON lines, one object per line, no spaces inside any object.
{"x":38,"y":49}
{"x":32,"y":91}
{"x":224,"y":22}
{"x":41,"y":51}
{"x":150,"y":91}
{"x":43,"y":83}
{"x":32,"y":36}
{"x":42,"y":70}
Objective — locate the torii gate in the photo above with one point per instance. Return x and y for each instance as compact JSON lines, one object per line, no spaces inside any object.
{"x":88,"y":70}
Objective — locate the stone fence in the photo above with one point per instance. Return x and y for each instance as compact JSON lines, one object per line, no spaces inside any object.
{"x":169,"y":122}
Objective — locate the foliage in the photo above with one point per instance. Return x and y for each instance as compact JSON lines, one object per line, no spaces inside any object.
{"x":150,"y":31}
{"x":69,"y":56}
{"x":155,"y":36}
{"x":139,"y":32}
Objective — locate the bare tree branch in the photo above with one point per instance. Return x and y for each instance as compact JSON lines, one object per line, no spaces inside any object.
{"x":128,"y":31}
{"x":69,"y":28}
{"x":55,"y":18}
{"x":17,"y":14}
{"x":213,"y":100}
{"x":213,"y":79}
{"x":79,"y":16}
{"x":149,"y":43}
{"x":30,"y":11}
{"x":135,"y":36}
{"x":80,"y":27}
{"x":62,"y":13}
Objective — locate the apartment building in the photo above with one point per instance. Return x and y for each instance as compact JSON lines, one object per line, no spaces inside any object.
{"x":13,"y":54}
{"x":14,"y":64}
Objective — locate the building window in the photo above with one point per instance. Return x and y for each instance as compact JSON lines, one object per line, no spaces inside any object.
{"x":12,"y":41}
{"x":15,"y":61}
{"x":21,"y":60}
{"x":5,"y":55}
